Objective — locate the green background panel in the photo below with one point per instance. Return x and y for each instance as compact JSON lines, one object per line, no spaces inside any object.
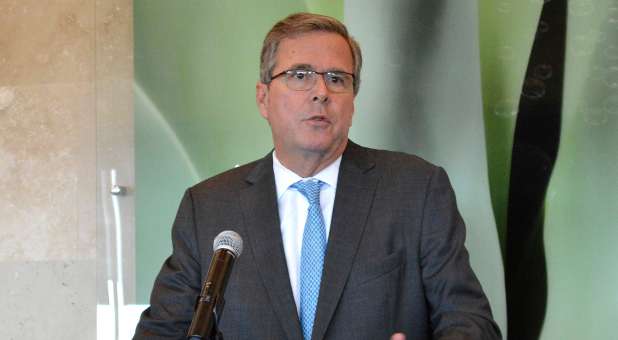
{"x":507,"y":30}
{"x":581,"y":210}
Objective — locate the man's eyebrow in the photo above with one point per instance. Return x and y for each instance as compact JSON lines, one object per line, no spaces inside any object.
{"x":309,"y":67}
{"x":302,"y":67}
{"x":335,"y":69}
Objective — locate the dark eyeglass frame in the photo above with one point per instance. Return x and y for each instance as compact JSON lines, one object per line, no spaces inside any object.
{"x":324,"y":74}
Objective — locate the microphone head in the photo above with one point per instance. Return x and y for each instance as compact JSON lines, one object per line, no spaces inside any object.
{"x":229,"y":240}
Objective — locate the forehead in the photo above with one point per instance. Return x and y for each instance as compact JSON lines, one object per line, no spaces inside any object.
{"x":320,"y":50}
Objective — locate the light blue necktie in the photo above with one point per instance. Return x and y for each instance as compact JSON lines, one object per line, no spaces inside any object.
{"x":312,"y":254}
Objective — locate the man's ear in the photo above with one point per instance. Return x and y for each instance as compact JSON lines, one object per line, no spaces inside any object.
{"x":261,"y":98}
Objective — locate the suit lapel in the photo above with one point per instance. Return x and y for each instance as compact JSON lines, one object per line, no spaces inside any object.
{"x":261,"y":215}
{"x":355,"y":191}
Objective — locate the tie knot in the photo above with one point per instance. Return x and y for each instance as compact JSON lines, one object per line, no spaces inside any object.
{"x":310,"y":189}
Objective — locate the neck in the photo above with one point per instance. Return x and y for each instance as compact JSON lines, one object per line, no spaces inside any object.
{"x":307,"y":164}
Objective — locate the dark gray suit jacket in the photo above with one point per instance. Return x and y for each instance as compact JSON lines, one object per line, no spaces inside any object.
{"x":395,"y":260}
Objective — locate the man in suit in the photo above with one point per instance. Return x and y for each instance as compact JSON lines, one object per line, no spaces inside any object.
{"x":376,"y":252}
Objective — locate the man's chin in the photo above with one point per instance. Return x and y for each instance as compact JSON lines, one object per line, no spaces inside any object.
{"x":324,"y":147}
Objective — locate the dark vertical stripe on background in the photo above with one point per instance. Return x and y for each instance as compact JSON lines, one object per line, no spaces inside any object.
{"x":535,"y":147}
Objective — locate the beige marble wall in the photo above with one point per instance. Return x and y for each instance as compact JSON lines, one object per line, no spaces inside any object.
{"x":115,"y":140}
{"x":65,"y":66}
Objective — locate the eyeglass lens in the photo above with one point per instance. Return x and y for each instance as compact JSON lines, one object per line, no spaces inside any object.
{"x":301,"y":80}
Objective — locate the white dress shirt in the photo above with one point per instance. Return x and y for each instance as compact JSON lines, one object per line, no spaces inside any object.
{"x":293,"y":209}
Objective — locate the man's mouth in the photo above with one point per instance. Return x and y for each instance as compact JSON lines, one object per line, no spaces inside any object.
{"x":318,"y":119}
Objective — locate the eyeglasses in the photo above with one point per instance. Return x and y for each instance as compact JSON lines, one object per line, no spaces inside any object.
{"x":303,"y":80}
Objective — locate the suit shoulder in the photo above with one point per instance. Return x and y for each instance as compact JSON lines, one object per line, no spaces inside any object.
{"x":229,"y":180}
{"x":401,"y":161}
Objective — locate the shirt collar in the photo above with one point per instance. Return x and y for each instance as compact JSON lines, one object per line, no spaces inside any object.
{"x":285,"y":177}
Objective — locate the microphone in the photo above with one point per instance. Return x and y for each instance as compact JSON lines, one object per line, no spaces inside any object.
{"x":209,"y":306}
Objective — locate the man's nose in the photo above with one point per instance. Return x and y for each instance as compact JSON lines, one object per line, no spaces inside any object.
{"x":320,"y":90}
